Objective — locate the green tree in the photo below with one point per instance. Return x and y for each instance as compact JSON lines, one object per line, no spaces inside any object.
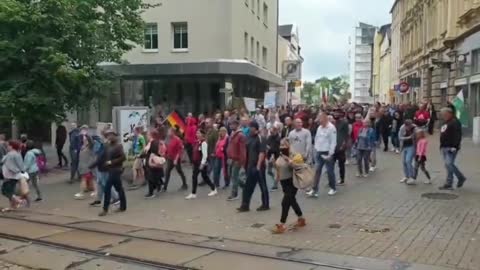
{"x":50,"y":51}
{"x":308,"y":92}
{"x":339,"y":86}
{"x":336,"y":88}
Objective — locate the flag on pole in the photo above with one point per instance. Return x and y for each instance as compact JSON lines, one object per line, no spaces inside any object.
{"x":460,"y":111}
{"x":175,"y":120}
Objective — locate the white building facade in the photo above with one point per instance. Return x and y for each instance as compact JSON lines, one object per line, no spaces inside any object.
{"x":361,"y":62}
{"x":197,"y":55}
{"x":289,"y":50}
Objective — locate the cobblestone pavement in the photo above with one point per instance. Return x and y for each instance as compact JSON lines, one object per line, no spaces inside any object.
{"x":375,"y":217}
{"x":8,"y":266}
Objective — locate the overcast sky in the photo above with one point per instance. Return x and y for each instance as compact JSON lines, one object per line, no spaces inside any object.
{"x":325,"y":26}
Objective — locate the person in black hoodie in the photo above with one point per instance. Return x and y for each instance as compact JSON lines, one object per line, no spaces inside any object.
{"x":115,"y":156}
{"x":60,"y":139}
{"x":397,"y":122}
{"x":450,"y":144}
{"x":384,"y":127}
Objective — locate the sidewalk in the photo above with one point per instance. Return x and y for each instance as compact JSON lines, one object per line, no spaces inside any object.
{"x":376,"y":217}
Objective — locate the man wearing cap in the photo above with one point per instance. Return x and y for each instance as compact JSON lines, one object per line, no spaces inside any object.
{"x":115,"y":157}
{"x":450,"y":144}
{"x":236,"y":155}
{"x":256,"y":152}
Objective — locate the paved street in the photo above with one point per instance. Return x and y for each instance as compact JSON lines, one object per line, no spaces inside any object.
{"x":9,"y":266}
{"x":370,"y":218}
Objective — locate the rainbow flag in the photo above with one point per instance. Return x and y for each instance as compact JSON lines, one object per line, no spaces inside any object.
{"x":176,"y":120}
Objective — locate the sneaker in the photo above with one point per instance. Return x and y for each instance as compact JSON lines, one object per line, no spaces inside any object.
{"x":279,"y":229}
{"x":427,"y":182}
{"x":150,"y":196}
{"x":274,"y":189}
{"x":213,"y":193}
{"x":310,"y":193}
{"x":103,"y":213}
{"x":233,"y":198}
{"x":184,"y":187}
{"x":93,"y":194}
{"x":116,"y":202}
{"x":359,"y":175}
{"x":263,"y":208}
{"x":404,"y":180}
{"x":332,"y":192}
{"x":95,"y":203}
{"x":347,"y":162}
{"x":365,"y":175}
{"x":301,"y":222}
{"x":461,"y":182}
{"x":411,"y":181}
{"x":397,"y":151}
{"x":80,"y":196}
{"x":242,"y":210}
{"x":372,"y":169}
{"x":38,"y":199}
{"x":446,"y":187}
{"x":191,"y":197}
{"x":341,"y":183}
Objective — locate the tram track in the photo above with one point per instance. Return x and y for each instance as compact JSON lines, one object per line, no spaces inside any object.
{"x":43,"y":241}
{"x":95,"y":254}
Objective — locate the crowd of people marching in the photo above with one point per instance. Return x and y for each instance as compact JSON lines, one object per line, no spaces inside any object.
{"x":271,"y":148}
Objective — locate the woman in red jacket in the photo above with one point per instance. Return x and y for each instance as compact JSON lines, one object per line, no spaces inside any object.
{"x":219,"y":164}
{"x":356,"y":127}
{"x":174,"y":158}
{"x":190,"y":136}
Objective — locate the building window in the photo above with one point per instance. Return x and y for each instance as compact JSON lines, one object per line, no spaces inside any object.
{"x":151,"y":37}
{"x":252,"y":51}
{"x":180,"y":36}
{"x":264,"y":57}
{"x":245,"y":45}
{"x":476,"y":61}
{"x":258,"y":53}
{"x":265,"y":14}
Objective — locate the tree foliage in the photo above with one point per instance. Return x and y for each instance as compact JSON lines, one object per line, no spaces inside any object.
{"x":50,"y":51}
{"x":336,"y":89}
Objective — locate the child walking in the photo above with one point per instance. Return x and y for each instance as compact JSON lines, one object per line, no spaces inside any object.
{"x":85,"y":158}
{"x":31,"y":167}
{"x":365,"y":144}
{"x":421,"y":155}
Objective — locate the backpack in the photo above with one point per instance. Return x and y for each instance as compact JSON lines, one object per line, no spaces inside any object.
{"x":303,"y":176}
{"x":41,"y":161}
